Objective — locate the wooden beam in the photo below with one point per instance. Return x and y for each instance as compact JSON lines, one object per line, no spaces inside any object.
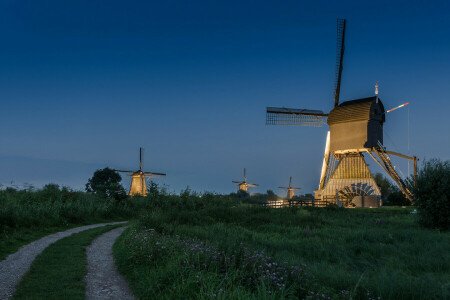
{"x":402,"y":155}
{"x":415,"y":170}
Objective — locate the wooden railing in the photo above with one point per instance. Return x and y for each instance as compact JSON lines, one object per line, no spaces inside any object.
{"x":299,"y":203}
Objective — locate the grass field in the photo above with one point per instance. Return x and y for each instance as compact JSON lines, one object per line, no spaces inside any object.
{"x":58,"y":272}
{"x":27,"y":215}
{"x":213,"y":248}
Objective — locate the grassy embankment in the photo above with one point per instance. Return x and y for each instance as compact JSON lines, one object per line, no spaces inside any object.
{"x":58,"y":272}
{"x":27,"y":215}
{"x":192,"y":248}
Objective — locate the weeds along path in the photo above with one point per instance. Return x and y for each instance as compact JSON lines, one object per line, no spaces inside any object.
{"x":17,"y":264}
{"x":103,"y":281}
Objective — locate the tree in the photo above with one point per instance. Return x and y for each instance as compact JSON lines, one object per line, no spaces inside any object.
{"x":384,"y":185}
{"x":271,"y":196}
{"x":432,"y":194}
{"x":391,"y":194}
{"x":106,"y":183}
{"x":153,"y":190}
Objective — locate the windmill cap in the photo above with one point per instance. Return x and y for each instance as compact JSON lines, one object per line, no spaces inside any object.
{"x":363,"y":109}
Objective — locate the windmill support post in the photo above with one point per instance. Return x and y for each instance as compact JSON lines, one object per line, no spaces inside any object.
{"x":388,"y":168}
{"x":415,"y":170}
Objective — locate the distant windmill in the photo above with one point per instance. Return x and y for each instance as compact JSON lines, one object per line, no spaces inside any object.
{"x":139,"y":178}
{"x":243,"y":185}
{"x":290,"y":189}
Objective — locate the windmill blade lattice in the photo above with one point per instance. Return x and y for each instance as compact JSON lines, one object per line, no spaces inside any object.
{"x":295,"y":117}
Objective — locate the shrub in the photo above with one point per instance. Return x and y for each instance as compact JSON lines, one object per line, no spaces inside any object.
{"x":432,"y":192}
{"x":106,"y":183}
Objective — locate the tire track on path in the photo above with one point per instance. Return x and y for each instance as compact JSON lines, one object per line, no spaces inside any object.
{"x":103,"y":281}
{"x":13,"y":267}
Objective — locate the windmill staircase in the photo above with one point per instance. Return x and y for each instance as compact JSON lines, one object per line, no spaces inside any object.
{"x":390,"y":169}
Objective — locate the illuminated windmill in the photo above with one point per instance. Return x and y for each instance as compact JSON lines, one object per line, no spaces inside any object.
{"x":139,"y":178}
{"x":290,"y":189}
{"x":244,"y":185}
{"x":356,"y":127}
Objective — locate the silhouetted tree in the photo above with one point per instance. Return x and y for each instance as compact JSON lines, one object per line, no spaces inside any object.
{"x":390,"y":193}
{"x":271,"y":196}
{"x":106,"y":183}
{"x":153,"y":190}
{"x":432,"y":194}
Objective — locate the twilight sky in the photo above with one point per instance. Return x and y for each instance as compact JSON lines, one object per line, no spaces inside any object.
{"x":84,"y":84}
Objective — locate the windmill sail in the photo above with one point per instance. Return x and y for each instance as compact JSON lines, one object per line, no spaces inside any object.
{"x":339,"y":59}
{"x":139,"y":178}
{"x":293,"y":116}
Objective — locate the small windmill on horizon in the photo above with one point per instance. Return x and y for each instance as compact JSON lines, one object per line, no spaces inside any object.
{"x":244,"y":185}
{"x":290,"y":189}
{"x":139,"y":178}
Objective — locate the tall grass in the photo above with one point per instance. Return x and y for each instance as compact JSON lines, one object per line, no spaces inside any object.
{"x":357,"y":253}
{"x":54,"y":206}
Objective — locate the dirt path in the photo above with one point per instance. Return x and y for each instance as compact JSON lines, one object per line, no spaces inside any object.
{"x":103,"y":281}
{"x":17,"y":264}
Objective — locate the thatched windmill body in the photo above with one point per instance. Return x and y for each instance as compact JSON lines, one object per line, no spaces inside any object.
{"x":244,"y":185}
{"x":139,"y":178}
{"x":356,"y":127}
{"x":290,"y":189}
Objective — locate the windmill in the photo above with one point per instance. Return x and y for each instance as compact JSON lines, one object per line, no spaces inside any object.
{"x":290,"y":189}
{"x":244,"y":185}
{"x":139,"y":178}
{"x":356,"y":127}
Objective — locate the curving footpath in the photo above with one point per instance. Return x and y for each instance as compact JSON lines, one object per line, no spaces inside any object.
{"x":103,"y":281}
{"x":17,"y":264}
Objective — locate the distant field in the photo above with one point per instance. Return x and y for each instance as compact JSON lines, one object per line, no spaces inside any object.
{"x":214,"y":248}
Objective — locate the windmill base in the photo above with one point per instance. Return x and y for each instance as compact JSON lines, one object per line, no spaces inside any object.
{"x":350,"y":184}
{"x":366,"y":201}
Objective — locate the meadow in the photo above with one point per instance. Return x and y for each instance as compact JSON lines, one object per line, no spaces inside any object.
{"x":29,"y":214}
{"x":206,"y":246}
{"x":215,"y":247}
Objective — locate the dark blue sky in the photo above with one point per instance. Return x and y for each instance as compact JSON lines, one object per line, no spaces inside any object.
{"x":83,"y":84}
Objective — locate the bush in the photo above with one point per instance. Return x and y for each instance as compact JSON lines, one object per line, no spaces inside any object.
{"x":432,"y":194}
{"x":55,"y":206}
{"x":390,"y":193}
{"x":106,"y":183}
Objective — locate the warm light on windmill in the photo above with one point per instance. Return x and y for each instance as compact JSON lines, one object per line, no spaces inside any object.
{"x":244,"y":185}
{"x":139,"y":179}
{"x":356,"y":127}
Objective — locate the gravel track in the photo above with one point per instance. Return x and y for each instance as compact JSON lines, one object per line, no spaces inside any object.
{"x":13,"y":267}
{"x":103,"y":281}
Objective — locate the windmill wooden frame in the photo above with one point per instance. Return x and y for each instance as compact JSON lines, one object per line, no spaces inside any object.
{"x":290,"y":189}
{"x":139,"y":178}
{"x":356,"y":127}
{"x":244,"y":185}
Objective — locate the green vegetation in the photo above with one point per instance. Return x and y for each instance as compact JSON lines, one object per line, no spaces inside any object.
{"x":433,"y":194}
{"x":225,"y":246}
{"x":392,"y":195}
{"x":106,"y":183}
{"x":29,"y":214}
{"x":213,"y":247}
{"x":58,"y":272}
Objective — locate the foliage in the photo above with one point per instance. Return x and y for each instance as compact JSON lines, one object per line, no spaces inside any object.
{"x":271,"y":196}
{"x":31,"y":213}
{"x":432,"y":193}
{"x":106,"y":183}
{"x":153,"y":190}
{"x":243,"y":268}
{"x":391,"y":194}
{"x":63,"y":262}
{"x":303,"y":197}
{"x":206,"y":247}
